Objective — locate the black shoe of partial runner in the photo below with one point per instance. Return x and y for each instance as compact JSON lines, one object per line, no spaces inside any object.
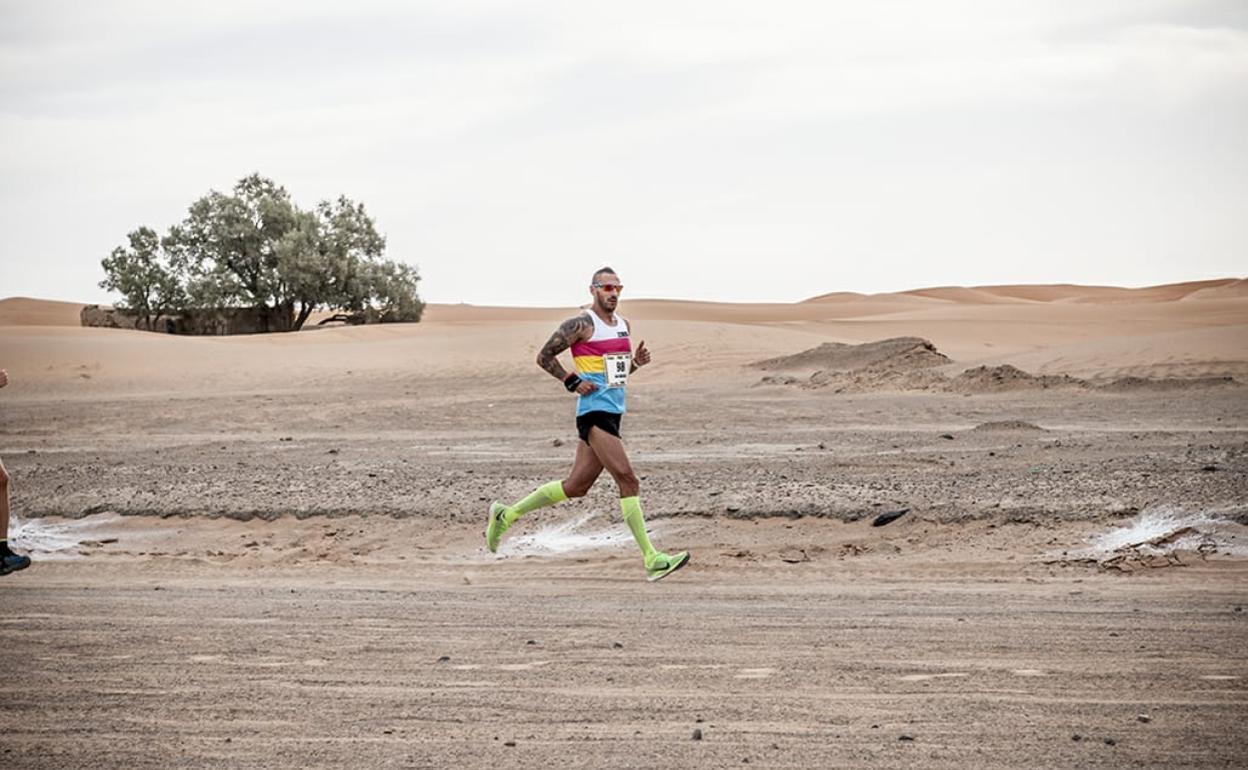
{"x":13,"y":562}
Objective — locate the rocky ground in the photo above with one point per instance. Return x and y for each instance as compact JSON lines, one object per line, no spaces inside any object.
{"x":261,"y":578}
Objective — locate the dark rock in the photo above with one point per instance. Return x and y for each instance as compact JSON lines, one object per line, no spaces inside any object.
{"x":509,"y":743}
{"x":618,"y":645}
{"x":889,"y":517}
{"x":444,"y":659}
{"x":947,"y":436}
{"x":905,"y":737}
{"x":697,"y":733}
{"x":1145,"y":718}
{"x":1111,"y":742}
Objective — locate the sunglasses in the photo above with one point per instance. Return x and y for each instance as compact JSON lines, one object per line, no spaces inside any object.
{"x":616,"y":287}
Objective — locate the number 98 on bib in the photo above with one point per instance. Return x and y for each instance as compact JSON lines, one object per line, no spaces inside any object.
{"x":617,"y":366}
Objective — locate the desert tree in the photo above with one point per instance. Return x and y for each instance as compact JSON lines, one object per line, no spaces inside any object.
{"x":146,"y":278}
{"x":256,"y":248}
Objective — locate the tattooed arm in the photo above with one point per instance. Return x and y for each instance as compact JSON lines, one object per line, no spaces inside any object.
{"x":569,"y":332}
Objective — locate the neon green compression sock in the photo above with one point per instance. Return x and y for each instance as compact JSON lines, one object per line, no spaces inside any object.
{"x":546,"y":495}
{"x":632,"y":514}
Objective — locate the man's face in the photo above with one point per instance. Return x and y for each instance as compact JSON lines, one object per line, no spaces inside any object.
{"x":606,"y":290}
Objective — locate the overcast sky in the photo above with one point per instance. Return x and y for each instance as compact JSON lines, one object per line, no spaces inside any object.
{"x":725,"y":150}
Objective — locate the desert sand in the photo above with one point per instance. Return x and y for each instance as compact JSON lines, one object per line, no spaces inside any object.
{"x":266,"y":551}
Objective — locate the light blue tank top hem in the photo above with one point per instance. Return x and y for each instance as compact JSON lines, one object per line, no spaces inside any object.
{"x":602,"y":400}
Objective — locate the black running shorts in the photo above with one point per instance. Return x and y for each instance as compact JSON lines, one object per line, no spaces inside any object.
{"x":608,"y":421}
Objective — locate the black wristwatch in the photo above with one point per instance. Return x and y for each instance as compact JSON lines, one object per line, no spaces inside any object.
{"x":572,"y":382}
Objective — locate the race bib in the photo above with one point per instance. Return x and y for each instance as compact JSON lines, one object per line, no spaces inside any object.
{"x":617,"y":366}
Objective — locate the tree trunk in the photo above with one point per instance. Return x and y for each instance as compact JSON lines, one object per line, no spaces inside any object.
{"x":305,"y":310}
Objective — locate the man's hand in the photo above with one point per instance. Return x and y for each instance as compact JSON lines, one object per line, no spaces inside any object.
{"x":586,"y":387}
{"x":4,"y":378}
{"x":642,"y":356}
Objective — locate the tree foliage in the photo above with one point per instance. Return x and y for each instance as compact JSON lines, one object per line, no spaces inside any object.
{"x":145,"y":277}
{"x":255,"y":248}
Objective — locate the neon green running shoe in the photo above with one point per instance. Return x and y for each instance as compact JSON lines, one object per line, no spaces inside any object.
{"x":659,"y":565}
{"x":495,"y":526}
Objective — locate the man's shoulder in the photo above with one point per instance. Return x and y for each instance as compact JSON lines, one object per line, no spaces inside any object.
{"x":579,"y":326}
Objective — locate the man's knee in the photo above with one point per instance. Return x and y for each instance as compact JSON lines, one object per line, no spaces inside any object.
{"x":576,"y":488}
{"x":628,"y":482}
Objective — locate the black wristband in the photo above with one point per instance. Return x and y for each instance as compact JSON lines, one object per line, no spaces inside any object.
{"x":571,"y":382}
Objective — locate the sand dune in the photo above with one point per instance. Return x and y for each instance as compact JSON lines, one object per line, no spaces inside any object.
{"x":1066,"y":292}
{"x":1195,"y":329}
{"x":1233,"y":289}
{"x":961,"y":295}
{"x":838,"y":296}
{"x":24,"y":311}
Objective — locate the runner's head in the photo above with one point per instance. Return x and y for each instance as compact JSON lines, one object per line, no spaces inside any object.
{"x":605,"y":287}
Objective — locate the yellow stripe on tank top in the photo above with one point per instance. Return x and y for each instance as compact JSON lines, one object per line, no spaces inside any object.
{"x":589,"y":364}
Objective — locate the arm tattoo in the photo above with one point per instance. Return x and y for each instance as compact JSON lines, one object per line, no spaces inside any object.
{"x":569,"y":332}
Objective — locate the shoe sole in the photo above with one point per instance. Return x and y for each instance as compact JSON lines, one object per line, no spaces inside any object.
{"x":669,"y":570}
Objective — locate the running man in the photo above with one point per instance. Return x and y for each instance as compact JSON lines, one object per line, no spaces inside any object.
{"x":603,"y":354}
{"x":9,"y":561}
